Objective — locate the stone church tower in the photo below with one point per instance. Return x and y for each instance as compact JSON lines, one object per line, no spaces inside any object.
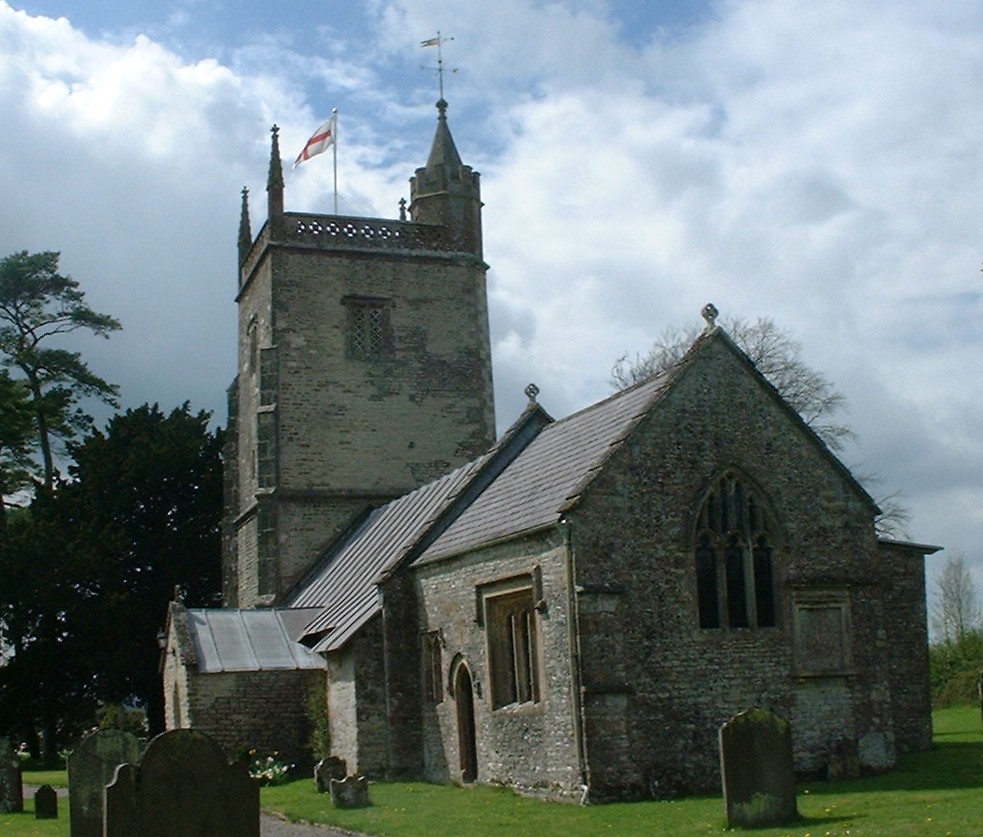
{"x":364,"y":368}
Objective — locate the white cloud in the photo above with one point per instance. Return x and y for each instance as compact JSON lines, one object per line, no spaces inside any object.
{"x":818,"y":163}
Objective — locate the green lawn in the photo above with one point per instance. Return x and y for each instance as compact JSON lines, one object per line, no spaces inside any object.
{"x":936,"y":793}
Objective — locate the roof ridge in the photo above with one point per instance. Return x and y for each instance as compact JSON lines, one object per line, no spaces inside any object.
{"x":661,"y":377}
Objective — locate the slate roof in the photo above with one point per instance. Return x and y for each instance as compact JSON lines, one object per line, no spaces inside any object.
{"x":548,"y":477}
{"x":250,"y":640}
{"x":345,"y":585}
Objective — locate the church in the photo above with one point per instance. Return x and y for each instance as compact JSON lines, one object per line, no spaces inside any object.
{"x":571,"y":610}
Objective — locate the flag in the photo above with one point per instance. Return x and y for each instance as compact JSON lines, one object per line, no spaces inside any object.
{"x":431,"y":42}
{"x":320,"y":140}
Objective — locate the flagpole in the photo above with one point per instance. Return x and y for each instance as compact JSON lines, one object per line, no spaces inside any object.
{"x":334,"y":148}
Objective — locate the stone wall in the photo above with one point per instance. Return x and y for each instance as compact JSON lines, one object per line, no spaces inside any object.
{"x":655,"y":733}
{"x":357,"y":708}
{"x":402,"y":649}
{"x":656,"y":686}
{"x":263,"y":710}
{"x":324,"y":433}
{"x":531,"y":746}
{"x":906,"y":628}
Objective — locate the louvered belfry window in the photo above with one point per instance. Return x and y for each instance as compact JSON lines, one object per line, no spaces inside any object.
{"x":734,"y":557}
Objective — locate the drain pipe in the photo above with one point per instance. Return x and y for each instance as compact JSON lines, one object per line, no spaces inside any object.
{"x":576,"y":674}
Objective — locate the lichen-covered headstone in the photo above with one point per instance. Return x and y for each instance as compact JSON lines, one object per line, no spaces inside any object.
{"x":45,"y":803}
{"x":11,"y":789}
{"x":756,"y":768}
{"x":327,"y":769}
{"x":183,"y":786}
{"x":90,"y":768}
{"x":350,"y":792}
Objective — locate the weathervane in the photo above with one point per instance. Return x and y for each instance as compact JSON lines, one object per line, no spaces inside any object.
{"x":439,"y":69}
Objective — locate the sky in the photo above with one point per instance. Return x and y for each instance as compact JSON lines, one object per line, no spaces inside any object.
{"x":819,"y":164}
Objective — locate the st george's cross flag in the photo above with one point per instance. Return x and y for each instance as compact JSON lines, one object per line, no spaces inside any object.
{"x":320,"y":140}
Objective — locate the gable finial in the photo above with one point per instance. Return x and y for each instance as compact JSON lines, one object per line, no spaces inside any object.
{"x":710,"y":314}
{"x":532,"y":391}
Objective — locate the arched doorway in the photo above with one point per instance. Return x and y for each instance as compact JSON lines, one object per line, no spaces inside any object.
{"x":466,"y":745}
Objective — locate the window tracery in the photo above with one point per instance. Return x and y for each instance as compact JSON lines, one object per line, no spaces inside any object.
{"x":734,"y":556}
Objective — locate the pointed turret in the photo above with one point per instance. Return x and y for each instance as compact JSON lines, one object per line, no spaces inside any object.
{"x":245,"y":230}
{"x":274,"y":186}
{"x":443,"y":152}
{"x":447,"y":192}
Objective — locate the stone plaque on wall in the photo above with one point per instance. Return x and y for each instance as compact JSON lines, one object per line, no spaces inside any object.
{"x":821,"y":630}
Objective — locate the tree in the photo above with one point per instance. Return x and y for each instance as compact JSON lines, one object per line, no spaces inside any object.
{"x":16,"y":465}
{"x":956,"y":652}
{"x":47,"y":687}
{"x":777,"y":356}
{"x":148,"y":494}
{"x":956,"y":612}
{"x":85,"y":582}
{"x":37,"y":304}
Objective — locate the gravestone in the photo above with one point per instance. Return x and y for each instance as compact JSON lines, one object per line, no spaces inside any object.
{"x":11,"y":789}
{"x":756,"y":768}
{"x":45,"y":803}
{"x":183,"y":786}
{"x":350,"y":792}
{"x":327,"y":769}
{"x":844,"y":762}
{"x":90,"y":769}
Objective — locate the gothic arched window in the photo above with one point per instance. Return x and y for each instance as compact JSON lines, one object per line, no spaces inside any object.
{"x":734,"y":557}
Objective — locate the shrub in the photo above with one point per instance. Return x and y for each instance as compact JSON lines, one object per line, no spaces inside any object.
{"x":316,"y":707}
{"x":956,"y":668}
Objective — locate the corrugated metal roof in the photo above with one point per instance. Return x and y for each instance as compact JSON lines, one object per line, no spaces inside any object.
{"x":344,"y":590}
{"x":549,"y":474}
{"x":249,"y":640}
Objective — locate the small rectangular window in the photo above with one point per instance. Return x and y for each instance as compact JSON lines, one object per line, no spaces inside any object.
{"x":433,"y":682}
{"x":512,"y":648}
{"x":369,"y":328}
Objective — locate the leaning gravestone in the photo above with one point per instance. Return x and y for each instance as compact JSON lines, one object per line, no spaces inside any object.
{"x":183,"y":786}
{"x":350,"y":792}
{"x":45,"y":803}
{"x":90,"y":769}
{"x":756,"y":768}
{"x":333,"y":767}
{"x":11,"y":789}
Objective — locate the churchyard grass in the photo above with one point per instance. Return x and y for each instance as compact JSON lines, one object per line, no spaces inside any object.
{"x":933,"y":794}
{"x":55,"y":778}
